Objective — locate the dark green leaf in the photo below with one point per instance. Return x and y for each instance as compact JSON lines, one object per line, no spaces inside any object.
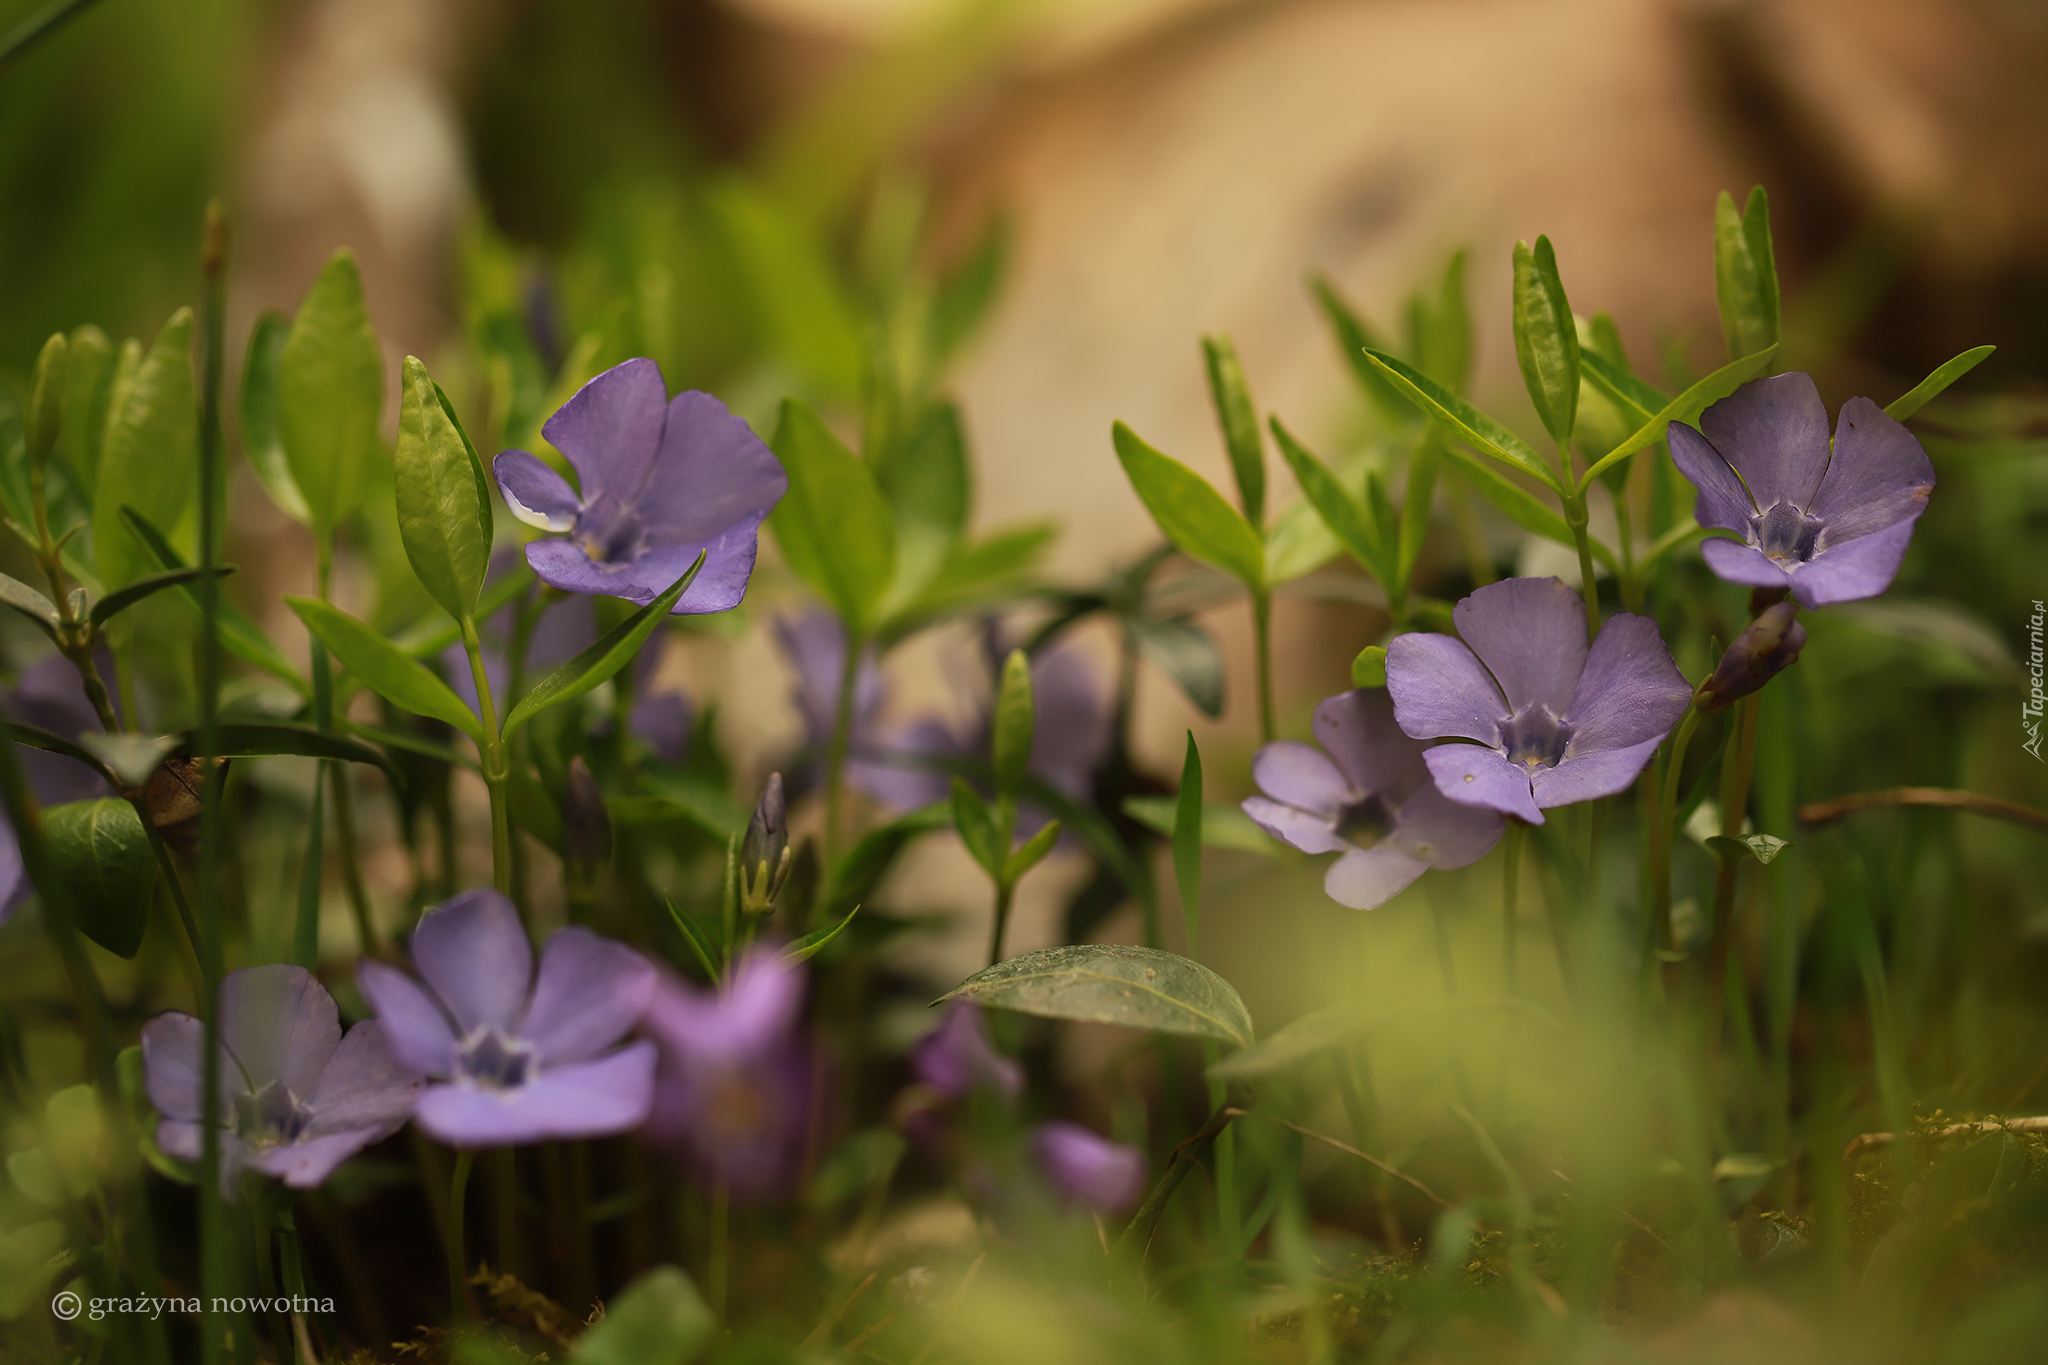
{"x":260,"y":439}
{"x":1745,"y":274}
{"x":1193,"y":515}
{"x":36,"y":737}
{"x":30,"y":603}
{"x":977,"y":828}
{"x":1468,"y":423}
{"x":1546,"y":339}
{"x":1187,"y":654}
{"x":1369,"y":669}
{"x":330,"y":393}
{"x":149,"y":460}
{"x":442,"y":515}
{"x":834,"y":527}
{"x":385,"y":669}
{"x":700,"y":944}
{"x":1762,"y":847}
{"x":660,"y":1319}
{"x":1687,"y":407}
{"x":1141,"y":988}
{"x":598,"y":663}
{"x":1347,"y":518}
{"x":114,"y":603}
{"x":239,"y":635}
{"x":1916,"y":398}
{"x":280,"y":739}
{"x":1013,"y":726}
{"x":1239,"y":420}
{"x":1187,"y":838}
{"x":102,"y":853}
{"x":813,"y":943}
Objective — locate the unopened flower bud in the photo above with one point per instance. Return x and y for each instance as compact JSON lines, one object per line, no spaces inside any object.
{"x":764,"y":852}
{"x":1767,"y":647}
{"x":586,"y":825}
{"x":46,"y":401}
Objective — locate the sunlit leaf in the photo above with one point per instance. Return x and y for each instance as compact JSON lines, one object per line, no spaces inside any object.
{"x":1142,"y":988}
{"x":385,"y":669}
{"x":1947,"y":373}
{"x":834,"y":526}
{"x":1192,"y":515}
{"x":1546,"y":339}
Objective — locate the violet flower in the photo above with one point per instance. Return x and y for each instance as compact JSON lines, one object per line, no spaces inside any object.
{"x":732,"y":1092}
{"x":1830,"y":524}
{"x":662,"y":480}
{"x":517,"y":1056}
{"x":815,"y":646}
{"x":956,"y":1058}
{"x":49,"y":695}
{"x":1370,"y":798}
{"x":1086,"y":1169}
{"x":1766,"y":647}
{"x":297,"y":1096}
{"x":1554,"y":721}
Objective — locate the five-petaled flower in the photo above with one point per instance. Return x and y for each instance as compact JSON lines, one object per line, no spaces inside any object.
{"x":1370,"y":798}
{"x":662,"y":480}
{"x":516,"y":1056}
{"x":297,"y":1096}
{"x":1555,"y":722}
{"x":1830,"y":523}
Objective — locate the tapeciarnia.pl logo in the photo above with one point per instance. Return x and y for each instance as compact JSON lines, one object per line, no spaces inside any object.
{"x":2031,"y":708}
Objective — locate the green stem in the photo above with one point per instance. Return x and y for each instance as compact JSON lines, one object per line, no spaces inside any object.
{"x":37,"y":27}
{"x":1631,"y":582}
{"x":835,"y":755}
{"x":1661,"y":833}
{"x":721,"y":1249}
{"x":458,"y":1257}
{"x":1575,"y":516}
{"x":167,"y":868}
{"x":1004,"y":892}
{"x":1262,"y":636}
{"x":351,"y":864}
{"x":306,"y":925}
{"x":1510,"y":898}
{"x":497,"y":771}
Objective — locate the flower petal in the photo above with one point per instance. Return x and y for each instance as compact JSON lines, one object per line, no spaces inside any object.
{"x":364,"y":1088}
{"x":171,"y":1047}
{"x":1439,"y":688}
{"x":473,"y":952}
{"x":1531,"y":635}
{"x":712,"y":473}
{"x":306,"y":1165}
{"x":663,"y":721}
{"x":1475,"y":776}
{"x":1858,"y":569}
{"x":1086,"y":1168}
{"x":1586,"y":777}
{"x":594,"y":1099}
{"x":1880,"y":475}
{"x":719,"y":585}
{"x":1073,"y":724}
{"x":1359,"y":730}
{"x":536,"y":494}
{"x":278,"y":1023}
{"x":590,"y":993}
{"x":1734,"y":561}
{"x":1775,"y":433}
{"x":1723,"y":501}
{"x":1433,"y":829}
{"x":1367,"y":878}
{"x":1302,"y":775}
{"x":611,"y":428}
{"x":1631,"y":690}
{"x":415,"y":1027}
{"x":1305,"y":830}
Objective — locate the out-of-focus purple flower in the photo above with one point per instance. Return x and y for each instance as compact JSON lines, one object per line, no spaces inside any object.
{"x":516,"y":1056}
{"x":1831,"y":523}
{"x":662,"y":480}
{"x":1767,"y":647}
{"x":297,"y":1096}
{"x":956,"y":1058}
{"x":732,"y":1094}
{"x":1086,"y":1169}
{"x":1369,"y":797}
{"x":815,"y":646}
{"x":1555,"y":722}
{"x":51,"y":696}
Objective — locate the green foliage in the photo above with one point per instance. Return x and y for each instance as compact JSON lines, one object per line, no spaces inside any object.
{"x":45,"y":416}
{"x":1470,"y":425}
{"x":1745,"y":274}
{"x":329,"y":393}
{"x":149,"y":458}
{"x":444,"y":509}
{"x":1013,"y":723}
{"x":599,"y":663}
{"x":1190,"y":513}
{"x":1239,"y":420}
{"x":384,"y":668}
{"x":659,"y":1320}
{"x":1945,"y":374}
{"x":834,"y":526}
{"x":101,"y":852}
{"x":1546,"y":339}
{"x":1141,"y":988}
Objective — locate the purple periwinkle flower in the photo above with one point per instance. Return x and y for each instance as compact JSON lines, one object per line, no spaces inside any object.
{"x":1830,"y":523}
{"x":815,"y":646}
{"x":1766,"y":647}
{"x":956,"y":1058}
{"x":1554,"y":722}
{"x":1366,"y":794}
{"x":516,"y":1056}
{"x":297,"y":1096}
{"x":661,"y":480}
{"x":1084,"y":1168}
{"x":733,"y":1094}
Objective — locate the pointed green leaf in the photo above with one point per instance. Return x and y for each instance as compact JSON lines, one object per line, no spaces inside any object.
{"x":260,"y":438}
{"x":114,"y":603}
{"x":88,"y":384}
{"x":330,"y":393}
{"x":1187,"y":839}
{"x":1013,"y":723}
{"x":30,"y":603}
{"x":1142,"y":988}
{"x":1916,"y":398}
{"x":101,"y":852}
{"x":597,"y":664}
{"x":699,"y":942}
{"x":1192,"y":515}
{"x":1239,"y":419}
{"x":1521,"y":506}
{"x":385,"y":669}
{"x":815,"y":942}
{"x":150,"y":459}
{"x":1354,"y":340}
{"x":282,"y":739}
{"x":1687,"y":407}
{"x":1440,"y":340}
{"x":1418,"y":500}
{"x":443,"y":515}
{"x":1186,"y":653}
{"x":977,"y":828}
{"x":239,"y":635}
{"x":1031,"y":852}
{"x":1369,"y":669}
{"x":835,"y":528}
{"x":1745,"y":274}
{"x":1546,"y":339}
{"x":36,"y":737}
{"x":1466,"y":422}
{"x":1223,"y":824}
{"x":44,"y":420}
{"x":1298,"y":543}
{"x":1347,"y":518}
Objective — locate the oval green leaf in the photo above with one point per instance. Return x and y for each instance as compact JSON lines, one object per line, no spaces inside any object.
{"x":443,"y":517}
{"x":1101,"y":983}
{"x":30,"y":603}
{"x":835,"y":528}
{"x":1546,"y":339}
{"x":599,"y":662}
{"x":260,"y":440}
{"x":330,"y":393}
{"x":1192,"y":515}
{"x":1468,"y":423}
{"x":384,"y":668}
{"x":149,"y":460}
{"x":101,"y":852}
